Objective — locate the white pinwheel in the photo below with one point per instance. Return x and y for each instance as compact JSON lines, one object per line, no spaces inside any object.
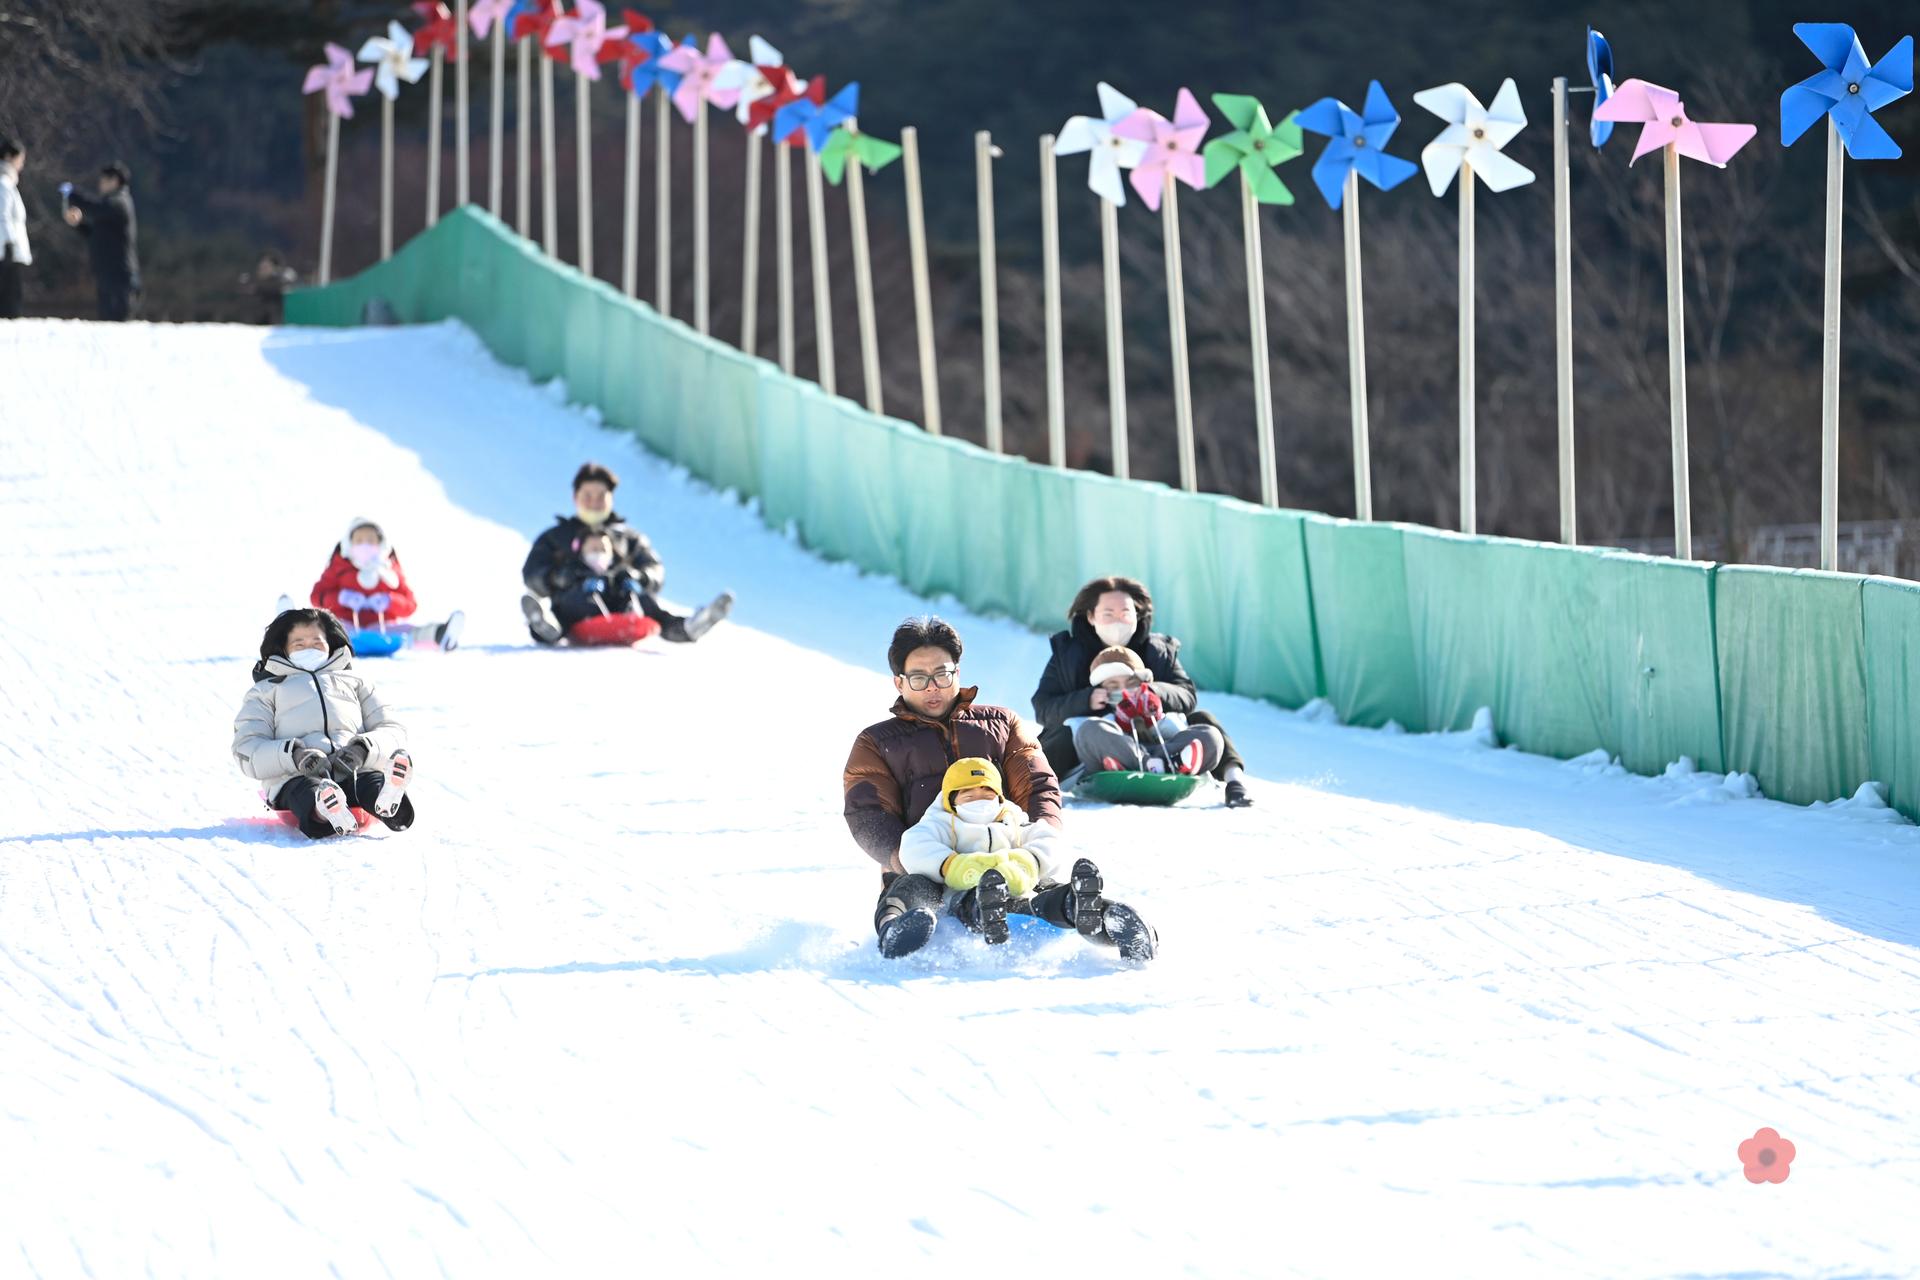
{"x":1107,"y":152}
{"x":393,"y":60}
{"x":1475,"y":135}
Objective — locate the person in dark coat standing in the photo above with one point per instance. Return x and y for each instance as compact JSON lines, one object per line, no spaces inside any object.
{"x":1118,"y":611}
{"x":112,"y":234}
{"x":16,"y":253}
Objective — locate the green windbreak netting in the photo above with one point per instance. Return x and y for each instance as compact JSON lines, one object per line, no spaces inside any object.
{"x":1793,"y":688}
{"x":1890,"y":613}
{"x":1805,"y":679}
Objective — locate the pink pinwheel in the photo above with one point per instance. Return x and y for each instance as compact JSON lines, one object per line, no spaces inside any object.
{"x":341,"y":82}
{"x":1172,"y":147}
{"x":482,"y":14}
{"x":715,"y":76}
{"x":1665,"y":118}
{"x":586,"y":30}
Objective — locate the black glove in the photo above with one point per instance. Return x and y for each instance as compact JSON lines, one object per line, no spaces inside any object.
{"x":351,"y":757}
{"x":309,"y":760}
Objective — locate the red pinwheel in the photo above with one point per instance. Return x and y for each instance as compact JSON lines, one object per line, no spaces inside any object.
{"x":630,"y":53}
{"x":439,"y":31}
{"x":541,"y":15}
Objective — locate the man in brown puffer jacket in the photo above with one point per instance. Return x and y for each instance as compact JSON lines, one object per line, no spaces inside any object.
{"x":893,"y":777}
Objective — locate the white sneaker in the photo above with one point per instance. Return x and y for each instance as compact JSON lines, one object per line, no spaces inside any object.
{"x":447,"y":634}
{"x":330,"y":802}
{"x":707,"y":616}
{"x":285,"y":603}
{"x":394,"y":789}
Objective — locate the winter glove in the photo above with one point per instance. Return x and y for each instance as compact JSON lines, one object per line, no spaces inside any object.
{"x":593,"y":586}
{"x":1142,"y":705}
{"x":379,"y":601}
{"x":308,"y":760}
{"x":1021,"y":869}
{"x":370,"y":576}
{"x":351,"y":599}
{"x":350,"y":758}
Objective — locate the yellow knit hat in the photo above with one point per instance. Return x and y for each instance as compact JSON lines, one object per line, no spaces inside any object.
{"x":973,"y":771}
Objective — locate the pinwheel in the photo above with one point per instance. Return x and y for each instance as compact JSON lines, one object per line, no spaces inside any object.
{"x":1254,"y":149}
{"x":437,"y":39}
{"x":1358,"y":150}
{"x":1471,"y":147}
{"x":392,"y":56}
{"x":489,"y":17}
{"x":713,"y":78}
{"x":585,"y":34}
{"x":1107,"y":154}
{"x":1847,"y":91}
{"x":342,"y":83}
{"x":1600,"y":73}
{"x":866,"y":151}
{"x":1666,"y":127}
{"x":763,"y":76}
{"x":816,"y":118}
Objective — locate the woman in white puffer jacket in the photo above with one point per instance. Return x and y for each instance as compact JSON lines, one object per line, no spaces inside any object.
{"x":315,"y":734}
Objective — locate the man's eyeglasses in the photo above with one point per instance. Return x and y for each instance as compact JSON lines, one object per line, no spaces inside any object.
{"x":941,"y":679}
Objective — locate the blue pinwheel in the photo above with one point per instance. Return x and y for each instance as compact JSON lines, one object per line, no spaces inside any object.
{"x":1848,"y":90}
{"x":1359,"y":144}
{"x":640,"y":76}
{"x":819,"y":120}
{"x":1600,"y":71}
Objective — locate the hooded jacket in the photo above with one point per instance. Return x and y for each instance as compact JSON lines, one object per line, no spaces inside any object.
{"x":940,"y":834}
{"x":324,"y":709}
{"x":554,"y":564}
{"x":341,"y":574}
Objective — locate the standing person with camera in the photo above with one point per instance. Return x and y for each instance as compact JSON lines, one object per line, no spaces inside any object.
{"x":16,"y":255}
{"x":112,"y":233}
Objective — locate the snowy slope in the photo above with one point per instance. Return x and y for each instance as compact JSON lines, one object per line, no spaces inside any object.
{"x":612,"y":1008}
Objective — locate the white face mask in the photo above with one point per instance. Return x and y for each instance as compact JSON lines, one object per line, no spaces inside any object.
{"x":363,"y":554}
{"x":309,"y":659}
{"x":980,"y":811}
{"x":598,"y":561}
{"x":1115,"y":634}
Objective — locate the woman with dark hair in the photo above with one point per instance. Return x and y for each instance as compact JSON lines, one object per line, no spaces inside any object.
{"x":311,"y":727}
{"x":1118,"y":612}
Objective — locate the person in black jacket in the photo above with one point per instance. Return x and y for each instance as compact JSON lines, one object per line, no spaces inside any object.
{"x":112,"y":234}
{"x":555,"y":570}
{"x":1118,"y":611}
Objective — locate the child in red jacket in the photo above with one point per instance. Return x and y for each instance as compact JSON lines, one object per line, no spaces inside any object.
{"x":364,"y":586}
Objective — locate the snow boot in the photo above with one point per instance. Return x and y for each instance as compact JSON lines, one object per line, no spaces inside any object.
{"x":447,"y":634}
{"x":906,"y":917}
{"x":330,"y":803}
{"x":1110,"y":924}
{"x":1237,"y":797}
{"x":983,"y":908}
{"x":285,"y":603}
{"x":709,"y":615}
{"x":394,"y":789}
{"x":540,"y":619}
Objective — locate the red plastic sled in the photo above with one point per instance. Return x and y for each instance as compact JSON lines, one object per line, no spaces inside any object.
{"x":612,"y":628}
{"x":361,"y":818}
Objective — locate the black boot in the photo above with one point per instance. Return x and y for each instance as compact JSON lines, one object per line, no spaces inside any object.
{"x":1111,"y":924}
{"x":906,"y":917}
{"x":983,"y":909}
{"x":1237,"y":797}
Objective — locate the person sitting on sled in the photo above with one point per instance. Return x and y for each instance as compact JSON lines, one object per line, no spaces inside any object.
{"x":1134,"y":731}
{"x":315,"y":735}
{"x":900,"y":771}
{"x":364,"y":586}
{"x":595,"y":583}
{"x":553,"y":566}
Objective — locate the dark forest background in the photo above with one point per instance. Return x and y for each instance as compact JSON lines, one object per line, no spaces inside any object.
{"x":201,"y":98}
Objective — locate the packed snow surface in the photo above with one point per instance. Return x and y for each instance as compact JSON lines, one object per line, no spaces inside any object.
{"x":612,"y":1007}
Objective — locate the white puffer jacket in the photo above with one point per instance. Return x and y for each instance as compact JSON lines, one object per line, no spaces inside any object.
{"x":928,"y":843}
{"x":324,"y":709}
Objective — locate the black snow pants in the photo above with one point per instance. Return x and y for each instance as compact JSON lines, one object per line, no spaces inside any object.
{"x":297,"y":798}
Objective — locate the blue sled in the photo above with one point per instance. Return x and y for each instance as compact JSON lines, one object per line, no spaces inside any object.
{"x":377,"y":644}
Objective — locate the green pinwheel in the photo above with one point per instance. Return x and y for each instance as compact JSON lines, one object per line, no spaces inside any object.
{"x":1255,"y":147}
{"x":873,"y":153}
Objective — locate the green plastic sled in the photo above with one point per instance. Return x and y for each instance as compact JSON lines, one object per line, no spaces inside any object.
{"x":1130,"y":787}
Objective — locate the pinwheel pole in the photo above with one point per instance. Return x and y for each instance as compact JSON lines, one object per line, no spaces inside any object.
{"x":1563,"y":305}
{"x":922,"y":292}
{"x":1830,"y":357}
{"x":863,"y":282}
{"x":1050,"y":255}
{"x":701,"y":247}
{"x":822,"y":297}
{"x":1468,"y":455}
{"x":327,"y":198}
{"x":549,"y":196}
{"x":1257,"y":327}
{"x":433,"y":134}
{"x":1116,"y":337}
{"x":497,"y":121}
{"x":583,"y":165}
{"x":983,"y":154}
{"x":1357,"y":351}
{"x":386,"y":177}
{"x":630,"y":203}
{"x":662,"y":204}
{"x":750,"y":251}
{"x":463,"y":116}
{"x":783,"y":251}
{"x":1177,"y":332}
{"x":1677,"y":359}
{"x":523,"y":144}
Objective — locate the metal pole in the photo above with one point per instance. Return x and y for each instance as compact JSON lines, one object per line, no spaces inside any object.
{"x":989,"y":288}
{"x":922,"y":292}
{"x":463,"y":121}
{"x":1116,"y":338}
{"x":783,"y":250}
{"x":1257,"y":327}
{"x":523,"y":145}
{"x":1563,"y":307}
{"x":750,"y":252}
{"x":549,"y":197}
{"x":1177,"y":331}
{"x":700,"y":228}
{"x":822,"y":298}
{"x":863,"y":283}
{"x":326,"y":203}
{"x":1830,"y":359}
{"x":1677,"y":362}
{"x":386,"y":178}
{"x":1050,"y":253}
{"x":630,"y":204}
{"x":496,"y":175}
{"x":433,"y":136}
{"x":583,"y":166}
{"x":1357,"y":353}
{"x":1469,"y":512}
{"x":662,"y":204}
